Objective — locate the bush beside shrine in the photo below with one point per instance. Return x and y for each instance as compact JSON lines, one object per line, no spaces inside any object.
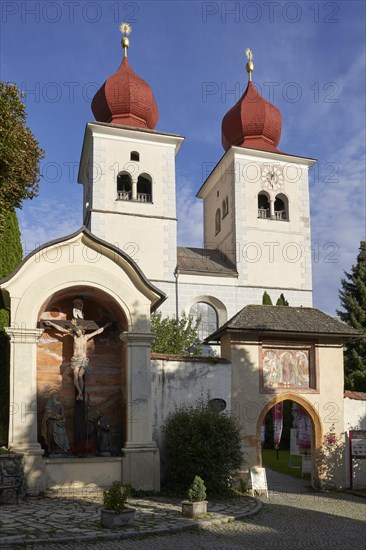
{"x":201,"y":441}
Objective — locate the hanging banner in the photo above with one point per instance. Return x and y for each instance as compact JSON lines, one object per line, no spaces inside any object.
{"x":263,"y":432}
{"x":294,"y":446}
{"x":303,"y":430}
{"x":277,"y":417}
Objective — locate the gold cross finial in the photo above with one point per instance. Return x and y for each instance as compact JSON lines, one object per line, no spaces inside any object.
{"x":250,"y":65}
{"x":125,"y":29}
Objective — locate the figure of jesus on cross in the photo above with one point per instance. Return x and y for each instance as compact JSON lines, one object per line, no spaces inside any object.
{"x":79,"y":361}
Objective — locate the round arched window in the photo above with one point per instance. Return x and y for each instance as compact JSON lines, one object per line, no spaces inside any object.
{"x":208,"y":315}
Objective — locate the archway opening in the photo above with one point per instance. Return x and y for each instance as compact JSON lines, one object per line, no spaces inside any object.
{"x":286,"y":439}
{"x":289,"y":436}
{"x":100,"y":414}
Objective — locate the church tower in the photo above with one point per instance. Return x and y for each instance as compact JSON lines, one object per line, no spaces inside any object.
{"x":256,"y":203}
{"x":128,"y":172}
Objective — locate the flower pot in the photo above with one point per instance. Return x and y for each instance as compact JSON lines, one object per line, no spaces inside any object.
{"x":194,"y":509}
{"x":112,"y":519}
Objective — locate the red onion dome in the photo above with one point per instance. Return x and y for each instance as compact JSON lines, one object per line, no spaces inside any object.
{"x":126,"y":99}
{"x":252,"y":122}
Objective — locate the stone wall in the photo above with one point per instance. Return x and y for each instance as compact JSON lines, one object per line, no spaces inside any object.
{"x":12,"y":466}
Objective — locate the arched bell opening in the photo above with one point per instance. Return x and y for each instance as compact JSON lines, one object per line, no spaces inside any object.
{"x":263,"y":205}
{"x":124,"y":186}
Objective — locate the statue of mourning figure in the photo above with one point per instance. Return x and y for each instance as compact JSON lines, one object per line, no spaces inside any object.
{"x":103,"y":436}
{"x":54,"y":426}
{"x":79,"y":361}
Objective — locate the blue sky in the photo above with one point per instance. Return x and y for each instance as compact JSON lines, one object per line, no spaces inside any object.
{"x":309,"y":60}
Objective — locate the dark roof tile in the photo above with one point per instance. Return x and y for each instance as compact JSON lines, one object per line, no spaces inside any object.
{"x":204,"y":260}
{"x":279,"y":319}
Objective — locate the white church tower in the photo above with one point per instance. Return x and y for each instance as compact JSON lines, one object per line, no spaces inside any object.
{"x":128,"y":172}
{"x":256,"y":204}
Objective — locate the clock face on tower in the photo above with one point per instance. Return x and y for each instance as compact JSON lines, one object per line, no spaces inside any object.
{"x":272,"y":177}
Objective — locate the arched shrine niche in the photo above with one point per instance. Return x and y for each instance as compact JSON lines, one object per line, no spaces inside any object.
{"x":103,"y":396}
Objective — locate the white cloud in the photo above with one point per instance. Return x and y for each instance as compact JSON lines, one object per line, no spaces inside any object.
{"x":43,"y":220}
{"x":338,"y":216}
{"x":190,"y":216}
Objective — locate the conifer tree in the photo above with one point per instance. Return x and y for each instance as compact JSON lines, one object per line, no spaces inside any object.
{"x":353,"y":301}
{"x":282,"y":301}
{"x":266,"y":299}
{"x":10,"y":256}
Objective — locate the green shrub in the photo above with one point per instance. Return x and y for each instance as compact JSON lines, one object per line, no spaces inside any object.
{"x":116,"y":497}
{"x":174,"y":336}
{"x":197,"y":491}
{"x":204,"y":442}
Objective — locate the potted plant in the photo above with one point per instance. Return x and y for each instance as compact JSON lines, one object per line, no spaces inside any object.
{"x":115,"y":512}
{"x":196,"y":505}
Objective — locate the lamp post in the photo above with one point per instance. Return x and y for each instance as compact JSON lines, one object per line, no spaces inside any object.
{"x":176,"y":275}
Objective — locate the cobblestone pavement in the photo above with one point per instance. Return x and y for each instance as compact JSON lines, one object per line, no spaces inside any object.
{"x":293,"y":517}
{"x":45,"y":520}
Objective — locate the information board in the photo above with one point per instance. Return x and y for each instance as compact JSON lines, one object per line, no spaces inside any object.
{"x":259,"y":480}
{"x":358,"y":448}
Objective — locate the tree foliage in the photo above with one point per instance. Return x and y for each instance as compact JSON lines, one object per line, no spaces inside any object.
{"x":10,"y":256}
{"x":201,"y":441}
{"x":353,"y":301}
{"x":10,"y":244}
{"x":266,"y":299}
{"x":282,"y":301}
{"x":19,"y":152}
{"x":174,"y":336}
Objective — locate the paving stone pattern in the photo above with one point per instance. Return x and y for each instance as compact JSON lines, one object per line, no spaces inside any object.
{"x":293,"y":517}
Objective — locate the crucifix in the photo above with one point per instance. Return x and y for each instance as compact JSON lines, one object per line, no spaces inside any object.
{"x":79,"y":363}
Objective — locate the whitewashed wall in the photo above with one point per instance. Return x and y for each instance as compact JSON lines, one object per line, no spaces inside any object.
{"x":175,"y":382}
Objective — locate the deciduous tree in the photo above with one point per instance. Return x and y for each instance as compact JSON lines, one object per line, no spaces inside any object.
{"x":174,"y":336}
{"x":19,"y":153}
